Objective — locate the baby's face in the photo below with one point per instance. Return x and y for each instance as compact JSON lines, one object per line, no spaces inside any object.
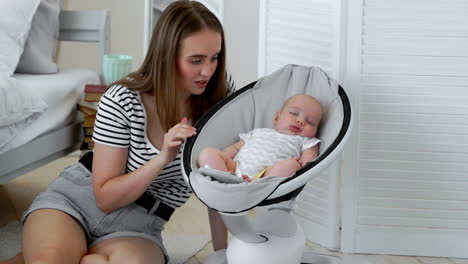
{"x":300,"y":116}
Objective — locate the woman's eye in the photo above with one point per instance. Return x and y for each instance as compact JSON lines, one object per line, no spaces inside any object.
{"x":214,"y":58}
{"x":195,"y":61}
{"x":293,"y":113}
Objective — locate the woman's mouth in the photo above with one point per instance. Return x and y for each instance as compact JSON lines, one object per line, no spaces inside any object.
{"x":201,"y":83}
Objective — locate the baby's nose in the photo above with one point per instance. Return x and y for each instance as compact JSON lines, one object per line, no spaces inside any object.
{"x":300,"y":122}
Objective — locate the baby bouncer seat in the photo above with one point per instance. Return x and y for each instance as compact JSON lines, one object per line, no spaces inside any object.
{"x":274,"y":235}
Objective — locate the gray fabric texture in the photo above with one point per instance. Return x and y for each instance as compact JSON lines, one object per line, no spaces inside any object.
{"x":41,"y":46}
{"x":227,"y":197}
{"x":256,"y":108}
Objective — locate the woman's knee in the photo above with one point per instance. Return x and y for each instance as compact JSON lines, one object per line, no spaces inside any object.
{"x":95,"y":259}
{"x":128,"y":250}
{"x":135,"y":256}
{"x":18,"y":259}
{"x":139,"y":259}
{"x":51,"y":236}
{"x":50,"y":256}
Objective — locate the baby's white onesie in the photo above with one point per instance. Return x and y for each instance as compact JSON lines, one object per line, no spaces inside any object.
{"x":265,"y":147}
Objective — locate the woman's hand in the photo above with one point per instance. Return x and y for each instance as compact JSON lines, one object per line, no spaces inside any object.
{"x":174,"y":138}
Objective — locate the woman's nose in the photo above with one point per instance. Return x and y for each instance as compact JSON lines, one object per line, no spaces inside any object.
{"x":300,"y":122}
{"x":207,"y":69}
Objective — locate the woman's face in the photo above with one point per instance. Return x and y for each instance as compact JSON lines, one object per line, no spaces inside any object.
{"x":197,"y":61}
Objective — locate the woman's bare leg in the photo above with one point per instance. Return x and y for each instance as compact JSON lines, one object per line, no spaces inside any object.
{"x":18,"y":259}
{"x":51,"y":236}
{"x":219,"y":232}
{"x":125,"y":250}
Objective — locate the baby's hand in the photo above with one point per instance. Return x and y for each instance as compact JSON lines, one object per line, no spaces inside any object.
{"x":246,"y":178}
{"x":292,"y":163}
{"x":298,"y":159}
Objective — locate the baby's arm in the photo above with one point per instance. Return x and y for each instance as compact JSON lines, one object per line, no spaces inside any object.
{"x":309,"y":155}
{"x":232,"y":150}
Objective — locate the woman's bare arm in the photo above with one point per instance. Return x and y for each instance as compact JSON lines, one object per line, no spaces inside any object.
{"x":113,"y":187}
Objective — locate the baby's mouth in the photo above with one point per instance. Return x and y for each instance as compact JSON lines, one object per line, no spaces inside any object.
{"x":295,"y":129}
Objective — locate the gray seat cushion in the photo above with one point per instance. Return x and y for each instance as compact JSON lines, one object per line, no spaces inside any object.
{"x":255,"y":108}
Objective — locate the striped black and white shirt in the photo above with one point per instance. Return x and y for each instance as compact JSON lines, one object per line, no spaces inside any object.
{"x":121,"y":122}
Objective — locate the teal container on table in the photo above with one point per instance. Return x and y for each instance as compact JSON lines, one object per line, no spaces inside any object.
{"x":115,"y":67}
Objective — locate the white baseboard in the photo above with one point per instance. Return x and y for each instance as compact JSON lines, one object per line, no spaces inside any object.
{"x":451,"y":243}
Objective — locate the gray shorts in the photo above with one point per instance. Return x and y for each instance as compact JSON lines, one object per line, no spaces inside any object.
{"x":72,"y":193}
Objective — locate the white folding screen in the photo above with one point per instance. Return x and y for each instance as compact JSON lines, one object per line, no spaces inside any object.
{"x":307,"y":32}
{"x":406,"y":189}
{"x":303,"y":32}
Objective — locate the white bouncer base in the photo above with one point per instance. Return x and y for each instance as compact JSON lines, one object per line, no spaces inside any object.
{"x":219,"y":257}
{"x":277,"y":238}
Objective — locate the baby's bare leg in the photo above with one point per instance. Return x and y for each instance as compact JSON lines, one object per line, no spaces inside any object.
{"x":216,"y":159}
{"x":284,"y":168}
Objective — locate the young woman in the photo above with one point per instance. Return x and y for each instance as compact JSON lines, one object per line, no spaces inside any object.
{"x":116,"y":213}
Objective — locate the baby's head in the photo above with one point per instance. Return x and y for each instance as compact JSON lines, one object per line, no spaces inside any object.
{"x":300,"y":115}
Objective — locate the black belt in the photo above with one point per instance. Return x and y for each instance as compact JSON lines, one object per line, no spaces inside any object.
{"x":146,"y":200}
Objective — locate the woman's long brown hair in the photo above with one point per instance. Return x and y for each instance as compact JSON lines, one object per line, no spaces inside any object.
{"x":157,"y":74}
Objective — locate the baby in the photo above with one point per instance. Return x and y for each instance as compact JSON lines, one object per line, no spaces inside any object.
{"x":266,"y":152}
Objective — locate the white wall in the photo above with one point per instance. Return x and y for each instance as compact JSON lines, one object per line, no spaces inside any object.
{"x":240,"y":20}
{"x":127,"y":26}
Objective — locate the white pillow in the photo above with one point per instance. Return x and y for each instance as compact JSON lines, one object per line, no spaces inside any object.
{"x":15,"y":22}
{"x":39,"y":52}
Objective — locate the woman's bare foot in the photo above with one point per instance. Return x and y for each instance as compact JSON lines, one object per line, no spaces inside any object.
{"x":18,"y":259}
